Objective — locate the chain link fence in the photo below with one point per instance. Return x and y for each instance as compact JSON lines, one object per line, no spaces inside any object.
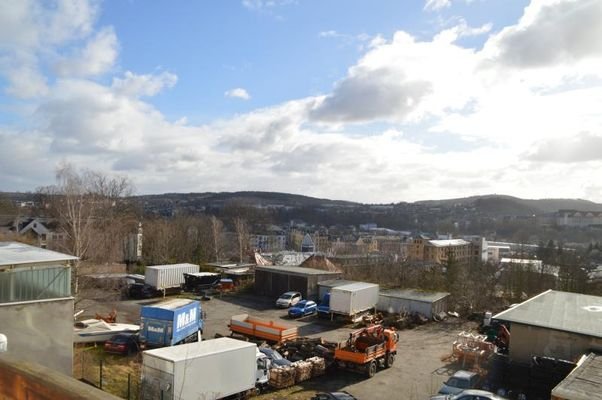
{"x":115,"y":374}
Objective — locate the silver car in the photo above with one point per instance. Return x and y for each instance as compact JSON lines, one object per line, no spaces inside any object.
{"x":471,"y":394}
{"x":288,"y":299}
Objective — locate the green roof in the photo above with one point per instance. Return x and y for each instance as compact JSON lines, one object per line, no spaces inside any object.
{"x":562,"y":311}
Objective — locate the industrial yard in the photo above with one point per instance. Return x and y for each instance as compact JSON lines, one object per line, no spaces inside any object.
{"x":417,"y":373}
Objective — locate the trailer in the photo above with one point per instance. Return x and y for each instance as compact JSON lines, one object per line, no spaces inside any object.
{"x":259,"y":328}
{"x":170,"y":323}
{"x":350,"y":301}
{"x":367,"y":349}
{"x":168,"y":277}
{"x":209,"y":370}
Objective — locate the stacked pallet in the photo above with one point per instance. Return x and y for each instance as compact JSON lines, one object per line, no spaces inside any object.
{"x":302,"y":370}
{"x":318,"y":366}
{"x":282,"y":377}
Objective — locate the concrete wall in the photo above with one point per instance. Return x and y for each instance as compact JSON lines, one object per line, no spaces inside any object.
{"x":528,"y":341}
{"x":40,"y":331}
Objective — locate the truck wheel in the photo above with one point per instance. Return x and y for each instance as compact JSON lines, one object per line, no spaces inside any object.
{"x":371,"y":369}
{"x":389,"y":360}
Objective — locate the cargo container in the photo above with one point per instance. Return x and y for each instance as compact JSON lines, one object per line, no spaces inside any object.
{"x":262,"y":329}
{"x":164,"y":277}
{"x":209,"y":370}
{"x":350,"y":301}
{"x":171,"y":322}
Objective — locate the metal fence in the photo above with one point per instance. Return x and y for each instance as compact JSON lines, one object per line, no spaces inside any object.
{"x":118,"y":375}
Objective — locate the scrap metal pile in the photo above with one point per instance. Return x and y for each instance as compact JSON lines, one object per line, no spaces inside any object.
{"x":472,"y":348}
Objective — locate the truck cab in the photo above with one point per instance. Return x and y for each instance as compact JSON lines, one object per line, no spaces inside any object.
{"x":170,"y":323}
{"x":262,"y":376}
{"x":324,"y":306}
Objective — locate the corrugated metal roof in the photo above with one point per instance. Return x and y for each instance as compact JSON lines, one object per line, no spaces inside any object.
{"x":584,"y":382}
{"x":169,"y":266}
{"x":356,"y":286}
{"x":330,"y":283}
{"x":14,"y":253}
{"x":569,"y":312}
{"x":414,"y":294}
{"x":294,"y":270}
{"x":448,"y":242}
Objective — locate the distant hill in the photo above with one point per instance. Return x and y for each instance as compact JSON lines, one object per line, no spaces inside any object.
{"x":509,"y":205}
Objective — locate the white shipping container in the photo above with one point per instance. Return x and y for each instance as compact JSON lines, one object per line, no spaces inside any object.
{"x":208,"y":370}
{"x":167,"y":276}
{"x":353,"y":298}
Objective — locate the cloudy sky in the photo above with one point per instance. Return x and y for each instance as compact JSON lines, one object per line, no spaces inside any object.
{"x":372,"y":101}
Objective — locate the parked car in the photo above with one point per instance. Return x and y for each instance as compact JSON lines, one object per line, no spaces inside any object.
{"x":276,"y":357}
{"x":288,"y":299}
{"x":334,"y":396}
{"x":471,"y":394}
{"x":141,"y":291}
{"x":460,"y":381}
{"x":303,"y":308}
{"x":124,"y":343}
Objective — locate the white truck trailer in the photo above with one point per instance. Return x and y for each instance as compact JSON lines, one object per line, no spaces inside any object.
{"x":349,"y":301}
{"x":209,"y":370}
{"x":168,"y":277}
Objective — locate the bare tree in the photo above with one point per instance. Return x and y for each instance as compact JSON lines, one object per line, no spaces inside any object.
{"x":216,"y":233}
{"x":84,"y":202}
{"x":242,"y":235}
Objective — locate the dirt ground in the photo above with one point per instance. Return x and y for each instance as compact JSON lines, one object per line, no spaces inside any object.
{"x":417,"y":373}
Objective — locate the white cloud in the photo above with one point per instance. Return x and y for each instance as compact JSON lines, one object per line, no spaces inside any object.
{"x":96,"y":58}
{"x":238,"y":93}
{"x":263,"y":4}
{"x":434,"y":5}
{"x":143,"y":85}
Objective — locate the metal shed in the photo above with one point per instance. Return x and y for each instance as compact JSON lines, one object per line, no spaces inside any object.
{"x":554,"y":324}
{"x":583,"y":383}
{"x":412,"y":300}
{"x":325,"y":286}
{"x":275,"y":280}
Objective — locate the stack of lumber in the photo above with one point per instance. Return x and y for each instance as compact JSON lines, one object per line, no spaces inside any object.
{"x":302,"y":370}
{"x":282,"y":377}
{"x":318,"y":366}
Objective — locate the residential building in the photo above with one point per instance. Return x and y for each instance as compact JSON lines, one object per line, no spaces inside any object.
{"x":440,"y":251}
{"x":36,"y":306}
{"x":577,"y":218}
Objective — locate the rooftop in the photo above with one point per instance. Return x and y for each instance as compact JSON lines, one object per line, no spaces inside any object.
{"x":414,"y":294}
{"x":172,"y":304}
{"x":169,"y":266}
{"x":584,"y":382}
{"x":206,"y":347}
{"x":562,"y":311}
{"x":294,"y":270}
{"x":335,"y":282}
{"x":14,"y":253}
{"x":448,"y":242}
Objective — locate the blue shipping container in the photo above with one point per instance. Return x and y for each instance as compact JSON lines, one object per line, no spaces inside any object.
{"x":170,"y":322}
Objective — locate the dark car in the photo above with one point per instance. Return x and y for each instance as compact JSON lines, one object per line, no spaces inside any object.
{"x":141,"y":291}
{"x":124,"y":343}
{"x":334,"y":396}
{"x":276,"y":357}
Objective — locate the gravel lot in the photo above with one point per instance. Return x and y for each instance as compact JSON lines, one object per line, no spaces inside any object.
{"x":417,"y":373}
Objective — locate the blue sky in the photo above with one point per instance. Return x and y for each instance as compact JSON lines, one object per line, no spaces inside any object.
{"x":375,"y":101}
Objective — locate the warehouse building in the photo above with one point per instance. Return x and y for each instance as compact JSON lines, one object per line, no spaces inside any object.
{"x":411,"y":300}
{"x":36,"y":307}
{"x":584,"y":382}
{"x":275,"y":280}
{"x":554,"y":324}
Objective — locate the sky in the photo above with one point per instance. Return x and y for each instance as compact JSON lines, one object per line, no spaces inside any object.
{"x":370,"y":101}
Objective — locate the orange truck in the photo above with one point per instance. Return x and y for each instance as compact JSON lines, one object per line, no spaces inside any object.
{"x":270,"y":331}
{"x":367,"y":349}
